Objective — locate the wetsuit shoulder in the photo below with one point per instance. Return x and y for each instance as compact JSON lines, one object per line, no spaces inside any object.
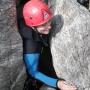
{"x":24,"y":30}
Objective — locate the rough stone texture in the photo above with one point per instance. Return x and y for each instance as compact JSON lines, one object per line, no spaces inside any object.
{"x":89,"y":5}
{"x":70,"y":42}
{"x":12,"y":71}
{"x":46,"y":88}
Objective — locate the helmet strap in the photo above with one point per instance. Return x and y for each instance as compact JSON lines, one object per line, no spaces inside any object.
{"x":35,"y":29}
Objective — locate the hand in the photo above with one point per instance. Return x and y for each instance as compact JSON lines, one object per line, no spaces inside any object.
{"x":63,"y":85}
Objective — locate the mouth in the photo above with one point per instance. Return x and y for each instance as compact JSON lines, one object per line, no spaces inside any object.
{"x":46,"y":30}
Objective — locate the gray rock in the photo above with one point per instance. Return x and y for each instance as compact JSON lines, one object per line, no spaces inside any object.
{"x":44,"y":87}
{"x":12,"y":71}
{"x":70,"y":42}
{"x":89,"y":5}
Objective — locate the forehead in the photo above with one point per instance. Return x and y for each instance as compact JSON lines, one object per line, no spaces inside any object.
{"x":49,"y":22}
{"x":45,"y":24}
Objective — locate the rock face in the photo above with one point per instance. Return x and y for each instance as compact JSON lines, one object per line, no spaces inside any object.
{"x":46,"y":88}
{"x":89,"y":5}
{"x":12,"y":72}
{"x":70,"y":42}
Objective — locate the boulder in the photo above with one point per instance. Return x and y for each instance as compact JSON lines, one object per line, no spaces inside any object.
{"x":70,"y":42}
{"x":12,"y":70}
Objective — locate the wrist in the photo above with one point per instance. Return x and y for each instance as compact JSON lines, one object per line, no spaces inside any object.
{"x":57,"y":83}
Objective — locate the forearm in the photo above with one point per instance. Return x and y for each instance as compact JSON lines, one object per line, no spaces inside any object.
{"x":43,"y":78}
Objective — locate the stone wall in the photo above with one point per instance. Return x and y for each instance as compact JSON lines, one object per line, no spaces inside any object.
{"x":12,"y":71}
{"x":89,"y":5}
{"x":70,"y":42}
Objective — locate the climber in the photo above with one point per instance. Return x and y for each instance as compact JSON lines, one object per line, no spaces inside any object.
{"x":38,"y":17}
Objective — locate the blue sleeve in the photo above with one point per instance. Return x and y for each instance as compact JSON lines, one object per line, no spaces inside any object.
{"x":31,"y":61}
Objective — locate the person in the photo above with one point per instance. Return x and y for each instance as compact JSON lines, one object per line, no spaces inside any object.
{"x":38,"y":18}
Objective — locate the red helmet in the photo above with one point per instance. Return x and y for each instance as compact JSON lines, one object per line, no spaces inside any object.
{"x":36,"y":12}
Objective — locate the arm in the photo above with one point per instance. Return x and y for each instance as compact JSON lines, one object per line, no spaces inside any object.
{"x":31,"y":56}
{"x":31,"y":61}
{"x":32,"y":50}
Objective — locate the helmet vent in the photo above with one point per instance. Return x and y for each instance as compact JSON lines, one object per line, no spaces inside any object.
{"x":30,"y":17}
{"x":45,"y":14}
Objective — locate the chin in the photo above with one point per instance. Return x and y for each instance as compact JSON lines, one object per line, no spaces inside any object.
{"x":46,"y":33}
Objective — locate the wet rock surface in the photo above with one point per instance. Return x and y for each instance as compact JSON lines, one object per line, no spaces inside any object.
{"x":12,"y":71}
{"x":70,"y":42}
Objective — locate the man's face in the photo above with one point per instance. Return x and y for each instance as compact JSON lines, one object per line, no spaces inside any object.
{"x":45,"y":28}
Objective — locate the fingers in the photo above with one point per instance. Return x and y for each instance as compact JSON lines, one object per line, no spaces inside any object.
{"x":63,"y":85}
{"x":69,"y":87}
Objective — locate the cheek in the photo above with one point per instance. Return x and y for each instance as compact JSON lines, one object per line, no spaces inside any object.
{"x":40,"y":29}
{"x":49,"y":27}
